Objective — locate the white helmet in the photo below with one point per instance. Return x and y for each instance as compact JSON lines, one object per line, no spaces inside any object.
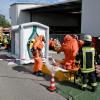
{"x":87,"y":38}
{"x":99,"y":37}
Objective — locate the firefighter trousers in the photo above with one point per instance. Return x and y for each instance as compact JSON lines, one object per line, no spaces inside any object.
{"x":89,"y":78}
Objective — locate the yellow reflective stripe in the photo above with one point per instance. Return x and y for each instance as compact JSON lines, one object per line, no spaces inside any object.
{"x":88,"y":48}
{"x":84,"y":85}
{"x":94,"y":84}
{"x":87,"y":70}
{"x":84,"y":59}
{"x":84,"y":50}
{"x":93,"y":59}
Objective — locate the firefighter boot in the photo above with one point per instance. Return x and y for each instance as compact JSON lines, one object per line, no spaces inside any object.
{"x":93,"y":89}
{"x":83,"y":88}
{"x":40,"y":73}
{"x":35,"y":73}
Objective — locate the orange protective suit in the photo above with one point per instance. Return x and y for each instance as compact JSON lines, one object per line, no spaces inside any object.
{"x":52,"y":43}
{"x":70,"y":49}
{"x":38,"y":42}
{"x":37,"y":62}
{"x":38,"y":46}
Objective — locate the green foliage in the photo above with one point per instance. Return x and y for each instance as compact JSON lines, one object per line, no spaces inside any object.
{"x":4,"y":23}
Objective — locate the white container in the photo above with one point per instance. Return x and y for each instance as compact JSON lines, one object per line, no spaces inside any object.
{"x":21,"y":34}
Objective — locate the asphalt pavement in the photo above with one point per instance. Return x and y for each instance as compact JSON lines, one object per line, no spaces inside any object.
{"x":18,"y":83}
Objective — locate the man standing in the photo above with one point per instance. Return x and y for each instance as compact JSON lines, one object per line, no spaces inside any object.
{"x":87,"y":63}
{"x":37,"y":48}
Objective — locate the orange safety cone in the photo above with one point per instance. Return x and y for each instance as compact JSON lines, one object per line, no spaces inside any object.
{"x":52,"y":83}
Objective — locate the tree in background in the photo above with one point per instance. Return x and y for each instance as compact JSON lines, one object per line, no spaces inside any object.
{"x":4,"y":23}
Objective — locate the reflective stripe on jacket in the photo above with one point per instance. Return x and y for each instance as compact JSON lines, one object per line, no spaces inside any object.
{"x":88,"y":59}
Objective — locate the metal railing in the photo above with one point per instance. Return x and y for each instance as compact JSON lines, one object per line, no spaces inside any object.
{"x":60,"y":37}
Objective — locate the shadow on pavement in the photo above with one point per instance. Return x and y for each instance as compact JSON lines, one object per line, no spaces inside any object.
{"x":6,"y":58}
{"x":3,"y":56}
{"x":22,"y":69}
{"x":70,"y":83}
{"x":44,"y":86}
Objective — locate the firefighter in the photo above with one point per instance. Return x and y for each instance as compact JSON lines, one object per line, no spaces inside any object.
{"x":98,"y":57}
{"x":50,"y":41}
{"x":36,"y":51}
{"x":31,"y":43}
{"x":70,"y":49}
{"x":52,"y":44}
{"x":80,"y":43}
{"x":9,"y":44}
{"x":37,"y":68}
{"x":5,"y":42}
{"x":87,"y":63}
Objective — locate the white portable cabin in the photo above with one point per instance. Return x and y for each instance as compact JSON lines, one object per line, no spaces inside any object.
{"x":22,"y":34}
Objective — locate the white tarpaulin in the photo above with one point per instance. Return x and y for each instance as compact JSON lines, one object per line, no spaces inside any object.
{"x":22,"y":35}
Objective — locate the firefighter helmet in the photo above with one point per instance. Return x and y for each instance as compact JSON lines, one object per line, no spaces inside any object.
{"x":87,"y":38}
{"x":99,"y":37}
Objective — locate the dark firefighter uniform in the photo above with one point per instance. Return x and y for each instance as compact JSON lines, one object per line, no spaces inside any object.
{"x":87,"y":66}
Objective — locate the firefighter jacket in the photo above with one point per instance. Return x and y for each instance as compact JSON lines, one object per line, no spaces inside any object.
{"x":87,"y":59}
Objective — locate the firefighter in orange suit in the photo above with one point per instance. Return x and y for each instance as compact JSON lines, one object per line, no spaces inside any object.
{"x":80,"y":42}
{"x":37,"y":68}
{"x":70,"y":49}
{"x":37,"y":48}
{"x":52,"y":43}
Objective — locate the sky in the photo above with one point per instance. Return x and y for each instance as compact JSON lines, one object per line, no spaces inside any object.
{"x":5,"y":4}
